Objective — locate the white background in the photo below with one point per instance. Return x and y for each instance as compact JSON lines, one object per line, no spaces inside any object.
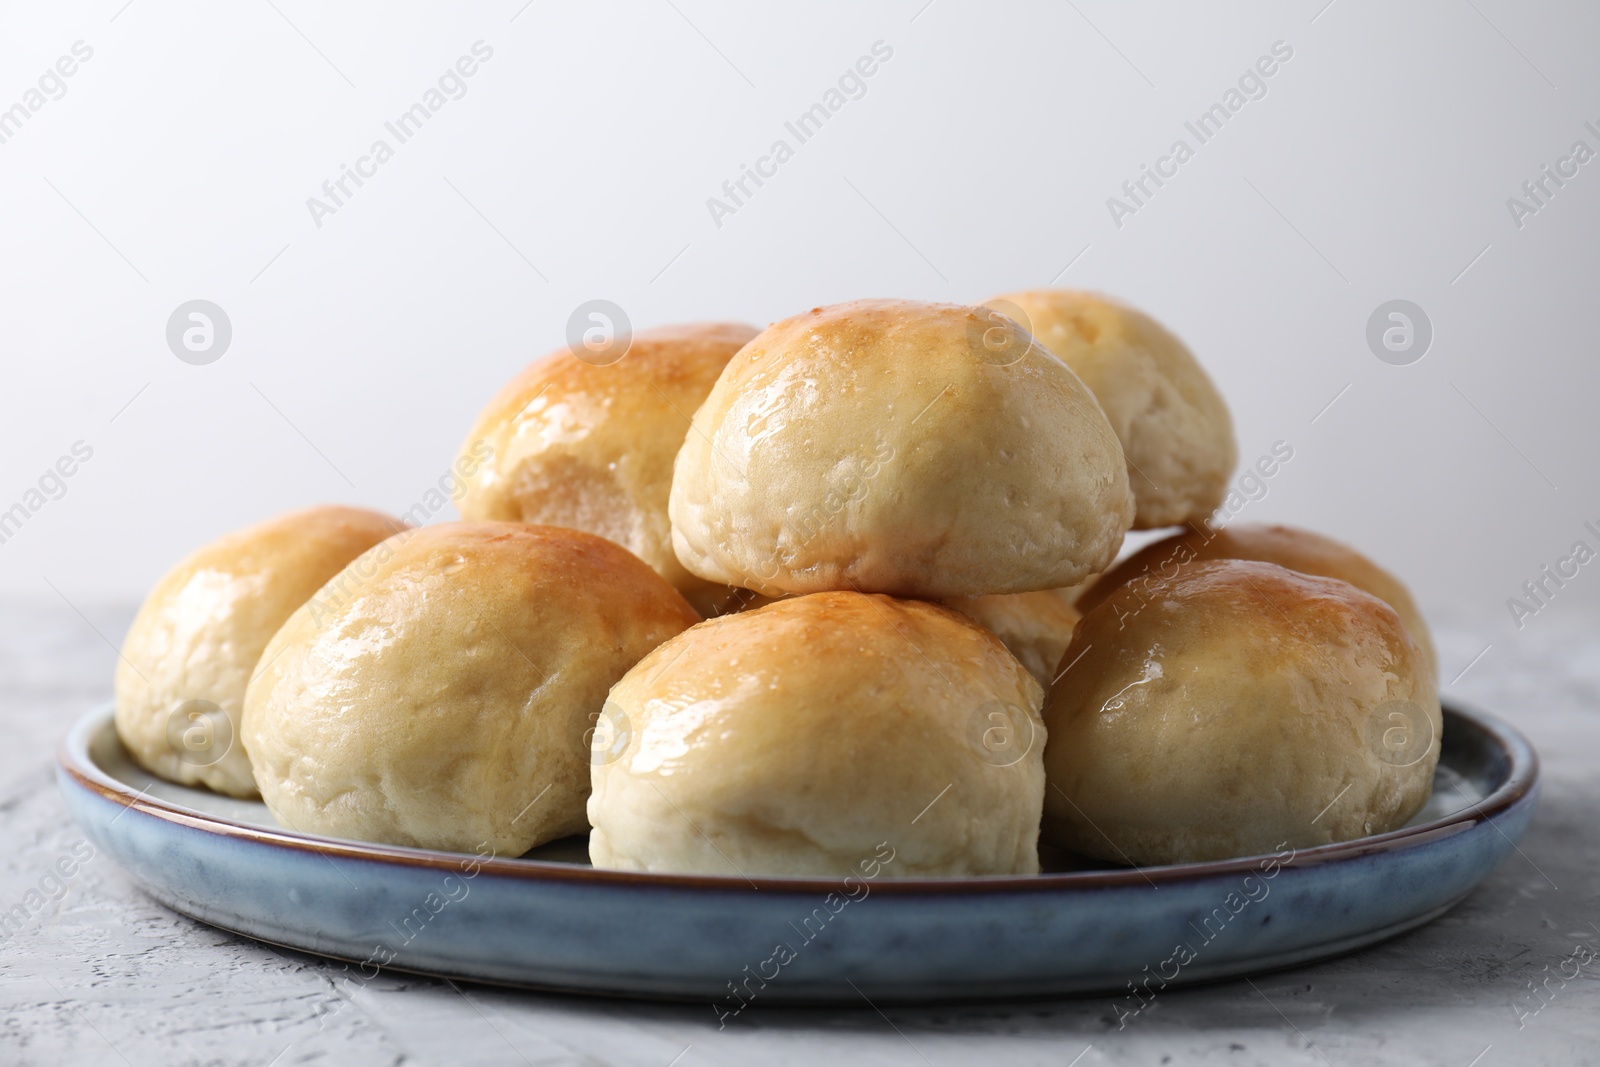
{"x":178,"y":164}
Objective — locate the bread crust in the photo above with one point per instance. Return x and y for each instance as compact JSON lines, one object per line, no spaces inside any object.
{"x":1244,"y":708}
{"x":569,"y":443}
{"x":445,"y":699}
{"x":1174,"y":426}
{"x":199,"y":634}
{"x":796,"y":738}
{"x":1287,"y":546}
{"x":878,"y":446}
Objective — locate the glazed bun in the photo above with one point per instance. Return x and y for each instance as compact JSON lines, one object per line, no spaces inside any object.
{"x":813,"y":734}
{"x":1298,"y":550}
{"x":1034,"y":627}
{"x":888,"y":446}
{"x":196,"y":640}
{"x":442,"y":699}
{"x":1242,"y":708}
{"x":569,"y":442}
{"x":1173,"y":424}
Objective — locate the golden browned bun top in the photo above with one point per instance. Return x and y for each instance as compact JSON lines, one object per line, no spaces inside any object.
{"x":194,"y":644}
{"x":570,"y":443}
{"x":1034,"y":627}
{"x":888,"y":446}
{"x":800,"y":736}
{"x":1298,"y":550}
{"x":1240,"y":708}
{"x":1174,"y":426}
{"x":440,"y":698}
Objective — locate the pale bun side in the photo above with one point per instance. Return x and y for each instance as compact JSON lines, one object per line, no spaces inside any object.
{"x":1034,"y":627}
{"x":444,"y":700}
{"x":199,"y":634}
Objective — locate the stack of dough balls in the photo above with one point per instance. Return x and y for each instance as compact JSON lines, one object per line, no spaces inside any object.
{"x":801,"y":602}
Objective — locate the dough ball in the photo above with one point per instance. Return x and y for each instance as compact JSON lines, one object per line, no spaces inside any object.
{"x":443,"y":697}
{"x":898,"y":447}
{"x":1242,"y":709}
{"x":569,"y":442}
{"x":1173,"y":424}
{"x":196,"y":640}
{"x":815,"y":734}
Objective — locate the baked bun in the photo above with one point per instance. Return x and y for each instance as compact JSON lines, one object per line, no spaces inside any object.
{"x":1298,"y":550}
{"x":571,"y":443}
{"x":194,"y":644}
{"x":803,"y":737}
{"x":1173,"y":424}
{"x":443,"y":702}
{"x":887,"y":446}
{"x":1242,"y":709}
{"x":1034,"y":627}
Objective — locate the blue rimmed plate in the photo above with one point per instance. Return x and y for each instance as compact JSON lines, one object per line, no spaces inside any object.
{"x":548,"y":920}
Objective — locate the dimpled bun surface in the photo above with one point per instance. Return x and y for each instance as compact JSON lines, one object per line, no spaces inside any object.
{"x":798,"y":738}
{"x":441,"y":700}
{"x":883,"y":446}
{"x":1243,"y":708}
{"x":1173,"y":424}
{"x":1034,"y":627}
{"x":571,"y":443}
{"x":1298,"y":550}
{"x":194,"y":644}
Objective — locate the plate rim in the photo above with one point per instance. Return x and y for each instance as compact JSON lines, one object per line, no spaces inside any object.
{"x":74,"y":762}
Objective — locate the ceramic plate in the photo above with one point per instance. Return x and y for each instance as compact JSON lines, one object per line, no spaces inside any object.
{"x":548,"y":920}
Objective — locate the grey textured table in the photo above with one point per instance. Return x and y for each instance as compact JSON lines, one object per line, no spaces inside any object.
{"x":101,"y":974}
